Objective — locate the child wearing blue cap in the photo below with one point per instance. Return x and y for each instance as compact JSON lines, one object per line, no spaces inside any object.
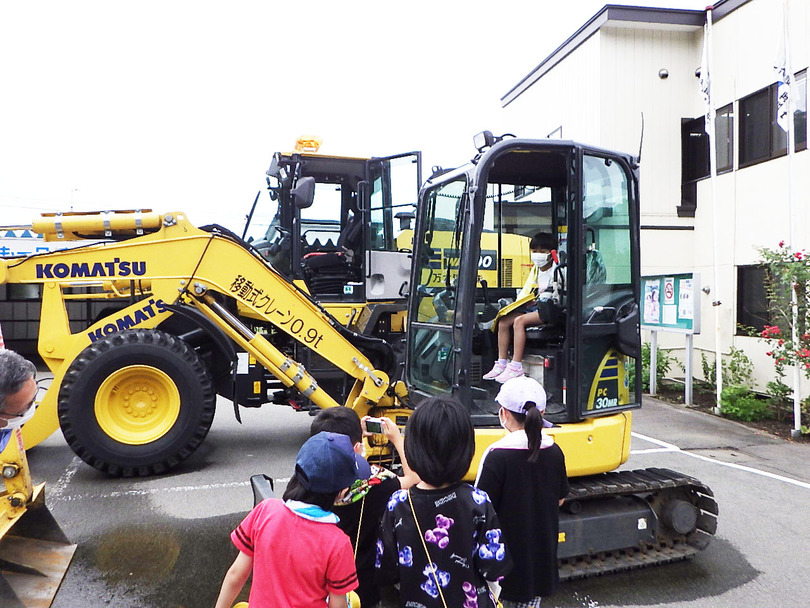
{"x":298,"y":555}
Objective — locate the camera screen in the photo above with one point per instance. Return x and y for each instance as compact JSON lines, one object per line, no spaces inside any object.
{"x":373,"y":426}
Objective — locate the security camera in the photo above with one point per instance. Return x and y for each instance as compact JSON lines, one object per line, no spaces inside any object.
{"x":663,"y":73}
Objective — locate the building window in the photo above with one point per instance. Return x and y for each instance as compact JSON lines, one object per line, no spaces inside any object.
{"x":694,"y":149}
{"x":694,"y":163}
{"x":752,"y":299}
{"x":724,"y":134}
{"x":761,"y":138}
{"x":695,"y":154}
{"x":800,"y":110}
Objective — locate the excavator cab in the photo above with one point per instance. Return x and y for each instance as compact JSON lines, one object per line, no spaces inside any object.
{"x":336,"y":225}
{"x":472,"y":262}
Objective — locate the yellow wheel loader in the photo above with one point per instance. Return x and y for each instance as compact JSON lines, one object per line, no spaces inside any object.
{"x":186,"y":314}
{"x":34,"y":552}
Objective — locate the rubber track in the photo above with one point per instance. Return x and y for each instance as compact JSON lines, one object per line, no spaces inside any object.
{"x":669,"y":548}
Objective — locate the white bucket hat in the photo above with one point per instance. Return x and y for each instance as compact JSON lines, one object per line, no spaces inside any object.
{"x":517,"y":392}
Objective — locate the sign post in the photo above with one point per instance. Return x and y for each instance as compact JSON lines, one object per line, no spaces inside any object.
{"x":671,"y":304}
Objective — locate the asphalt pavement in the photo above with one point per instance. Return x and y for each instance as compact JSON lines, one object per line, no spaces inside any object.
{"x":163,"y":541}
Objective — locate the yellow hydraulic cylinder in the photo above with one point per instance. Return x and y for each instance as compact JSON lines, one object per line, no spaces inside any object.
{"x":94,"y":225}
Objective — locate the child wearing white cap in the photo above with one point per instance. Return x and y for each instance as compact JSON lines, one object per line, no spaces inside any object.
{"x":524,"y":475}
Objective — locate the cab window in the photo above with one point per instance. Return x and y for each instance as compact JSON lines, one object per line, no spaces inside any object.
{"x":430,"y":339}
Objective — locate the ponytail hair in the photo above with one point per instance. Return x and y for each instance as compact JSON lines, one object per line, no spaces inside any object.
{"x":532,"y":422}
{"x":534,"y":430}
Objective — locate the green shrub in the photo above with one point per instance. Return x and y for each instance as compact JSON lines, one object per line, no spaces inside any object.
{"x":739,"y":403}
{"x":663,"y":362}
{"x":738,"y":370}
{"x":779,"y":397}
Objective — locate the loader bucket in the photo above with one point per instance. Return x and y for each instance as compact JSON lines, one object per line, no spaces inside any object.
{"x":34,"y":552}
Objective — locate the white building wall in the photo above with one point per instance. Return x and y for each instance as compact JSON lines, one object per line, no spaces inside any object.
{"x":567,"y":96}
{"x":631,"y":60}
{"x":615,"y":74}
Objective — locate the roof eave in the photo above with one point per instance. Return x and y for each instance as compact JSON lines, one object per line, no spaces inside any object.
{"x":615,"y":14}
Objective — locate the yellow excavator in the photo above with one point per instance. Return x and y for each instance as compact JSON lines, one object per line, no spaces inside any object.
{"x":187,"y":313}
{"x":340,"y":229}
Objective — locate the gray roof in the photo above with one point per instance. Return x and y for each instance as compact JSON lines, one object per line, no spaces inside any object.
{"x":628,"y":16}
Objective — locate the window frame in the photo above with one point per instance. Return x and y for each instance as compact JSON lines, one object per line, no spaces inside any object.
{"x":743,"y":317}
{"x":775,"y":147}
{"x":800,"y":81}
{"x":726,"y":110}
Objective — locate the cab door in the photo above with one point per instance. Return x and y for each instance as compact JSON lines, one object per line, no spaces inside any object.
{"x":393,"y":192}
{"x":607,"y":352}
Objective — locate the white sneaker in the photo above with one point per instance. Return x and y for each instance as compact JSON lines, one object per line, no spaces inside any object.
{"x":510,"y":372}
{"x":496,"y":371}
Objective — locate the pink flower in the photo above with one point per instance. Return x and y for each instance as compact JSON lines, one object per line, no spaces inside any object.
{"x":770,"y":331}
{"x":781,"y":243}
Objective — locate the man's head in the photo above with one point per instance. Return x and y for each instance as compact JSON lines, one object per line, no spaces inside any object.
{"x":18,"y":389}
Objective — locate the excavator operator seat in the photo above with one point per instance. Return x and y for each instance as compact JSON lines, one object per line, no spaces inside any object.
{"x":327,"y":272}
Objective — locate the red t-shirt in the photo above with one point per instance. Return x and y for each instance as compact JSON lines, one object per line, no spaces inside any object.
{"x":297,"y":562}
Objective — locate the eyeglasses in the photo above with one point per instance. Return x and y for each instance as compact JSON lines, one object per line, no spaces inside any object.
{"x":10,"y":416}
{"x":31,"y":404}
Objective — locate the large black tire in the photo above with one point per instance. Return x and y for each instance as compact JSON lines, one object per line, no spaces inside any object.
{"x":137,"y":402}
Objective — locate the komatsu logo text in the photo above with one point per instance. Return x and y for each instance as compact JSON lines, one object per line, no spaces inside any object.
{"x":77,"y":270}
{"x":128,"y":321}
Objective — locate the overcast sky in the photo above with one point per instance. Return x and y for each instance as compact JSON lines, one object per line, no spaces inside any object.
{"x":179,"y":106}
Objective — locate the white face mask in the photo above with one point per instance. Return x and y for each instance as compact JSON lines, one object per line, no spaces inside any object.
{"x":540,"y":259}
{"x":502,"y":419}
{"x":17,"y":422}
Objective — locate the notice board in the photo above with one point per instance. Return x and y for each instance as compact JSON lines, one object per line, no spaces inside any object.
{"x":671,"y":302}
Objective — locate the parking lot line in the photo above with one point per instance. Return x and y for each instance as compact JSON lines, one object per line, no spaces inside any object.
{"x":668,"y":447}
{"x":150,"y":491}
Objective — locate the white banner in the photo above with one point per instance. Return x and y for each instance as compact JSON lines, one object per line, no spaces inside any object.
{"x":784,"y":78}
{"x":705,"y":78}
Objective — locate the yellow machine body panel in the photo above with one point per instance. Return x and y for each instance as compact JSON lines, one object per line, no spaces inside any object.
{"x":33,"y":549}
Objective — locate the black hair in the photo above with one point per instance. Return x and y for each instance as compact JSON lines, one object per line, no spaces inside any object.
{"x":543,"y":240}
{"x":343,"y":420}
{"x":532,"y":423}
{"x":439,"y":441}
{"x":296,"y":491}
